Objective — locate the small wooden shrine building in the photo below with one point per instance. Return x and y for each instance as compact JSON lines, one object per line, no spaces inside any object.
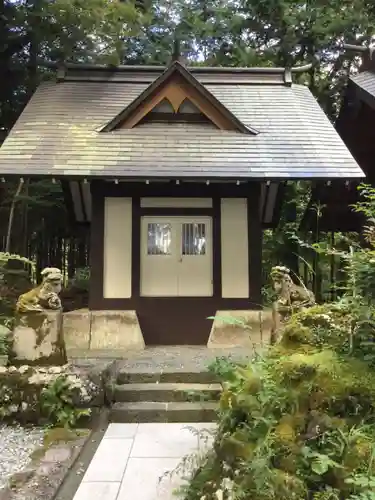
{"x":354,"y":124}
{"x":176,"y":170}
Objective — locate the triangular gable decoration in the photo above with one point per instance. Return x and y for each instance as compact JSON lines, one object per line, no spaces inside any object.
{"x":177,"y":95}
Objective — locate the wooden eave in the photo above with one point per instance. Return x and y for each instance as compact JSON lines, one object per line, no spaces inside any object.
{"x":176,"y":84}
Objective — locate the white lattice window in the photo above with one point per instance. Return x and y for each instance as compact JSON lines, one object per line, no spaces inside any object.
{"x":159,"y":237}
{"x":193,"y":239}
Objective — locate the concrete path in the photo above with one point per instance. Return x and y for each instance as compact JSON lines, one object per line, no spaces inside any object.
{"x":134,"y":461}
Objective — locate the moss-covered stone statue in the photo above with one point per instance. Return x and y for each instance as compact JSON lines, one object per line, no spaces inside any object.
{"x":45,"y":296}
{"x":38,"y":335}
{"x":291,"y":298}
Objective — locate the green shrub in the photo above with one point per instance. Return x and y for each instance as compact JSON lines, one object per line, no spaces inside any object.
{"x":58,"y":405}
{"x":4,"y":344}
{"x":298,"y":423}
{"x":45,"y":396}
{"x":81,"y":278}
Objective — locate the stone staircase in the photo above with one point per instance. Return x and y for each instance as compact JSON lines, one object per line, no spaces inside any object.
{"x":171,"y":396}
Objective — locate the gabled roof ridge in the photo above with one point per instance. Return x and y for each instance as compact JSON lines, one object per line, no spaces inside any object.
{"x":174,"y":67}
{"x":146,"y":68}
{"x":63,"y":69}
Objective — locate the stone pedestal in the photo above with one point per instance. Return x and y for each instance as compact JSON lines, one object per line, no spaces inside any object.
{"x":77,"y":329}
{"x":241,"y":328}
{"x":38,"y":339}
{"x":115,"y":330}
{"x":102,"y":331}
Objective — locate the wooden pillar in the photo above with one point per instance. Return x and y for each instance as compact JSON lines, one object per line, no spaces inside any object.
{"x":255,"y":239}
{"x":96,"y":246}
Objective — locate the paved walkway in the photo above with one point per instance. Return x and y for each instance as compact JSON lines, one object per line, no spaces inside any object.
{"x":134,"y":461}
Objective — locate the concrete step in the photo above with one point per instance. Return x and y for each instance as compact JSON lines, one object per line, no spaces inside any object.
{"x":180,"y":377}
{"x":167,"y":392}
{"x":146,"y":411}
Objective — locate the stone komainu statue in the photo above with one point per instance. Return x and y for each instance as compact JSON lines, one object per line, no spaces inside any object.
{"x":290,"y":298}
{"x":290,"y":294}
{"x":45,"y":296}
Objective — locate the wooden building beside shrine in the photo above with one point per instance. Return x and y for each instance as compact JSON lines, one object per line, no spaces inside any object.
{"x":176,"y":170}
{"x":355,"y":126}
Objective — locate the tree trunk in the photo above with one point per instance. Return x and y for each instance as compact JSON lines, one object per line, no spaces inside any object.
{"x":11,"y":215}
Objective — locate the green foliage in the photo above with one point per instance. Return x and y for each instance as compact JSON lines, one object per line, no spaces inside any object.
{"x":223,"y":368}
{"x":6,"y":319}
{"x":5,"y":257}
{"x":45,"y":396}
{"x":365,"y":486}
{"x":57,"y":404}
{"x":17,"y":274}
{"x":297,"y":421}
{"x":230,"y":320}
{"x":81,"y":278}
{"x":4,"y":344}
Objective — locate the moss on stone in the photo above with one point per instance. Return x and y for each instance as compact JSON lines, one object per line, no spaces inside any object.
{"x":62,"y":434}
{"x":294,"y":334}
{"x":55,"y":436}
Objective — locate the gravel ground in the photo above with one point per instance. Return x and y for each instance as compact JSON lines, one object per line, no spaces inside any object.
{"x":16,"y":445}
{"x":179,"y":358}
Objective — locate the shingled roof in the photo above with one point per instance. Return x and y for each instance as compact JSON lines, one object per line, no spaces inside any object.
{"x":364,"y":83}
{"x":60,"y":133}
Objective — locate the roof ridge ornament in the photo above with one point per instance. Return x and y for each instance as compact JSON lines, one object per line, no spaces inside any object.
{"x":176,"y":53}
{"x":290,"y":70}
{"x":61,"y":71}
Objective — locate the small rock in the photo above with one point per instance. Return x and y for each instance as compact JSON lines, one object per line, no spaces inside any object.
{"x":57,"y":454}
{"x":55,"y":369}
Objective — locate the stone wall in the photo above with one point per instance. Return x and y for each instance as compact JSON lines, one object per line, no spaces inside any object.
{"x":26,"y":395}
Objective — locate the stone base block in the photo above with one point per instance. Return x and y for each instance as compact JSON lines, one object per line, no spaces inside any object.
{"x":241,"y":328}
{"x":116,"y":330}
{"x":38,"y":339}
{"x":77,"y":326}
{"x":102,"y":331}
